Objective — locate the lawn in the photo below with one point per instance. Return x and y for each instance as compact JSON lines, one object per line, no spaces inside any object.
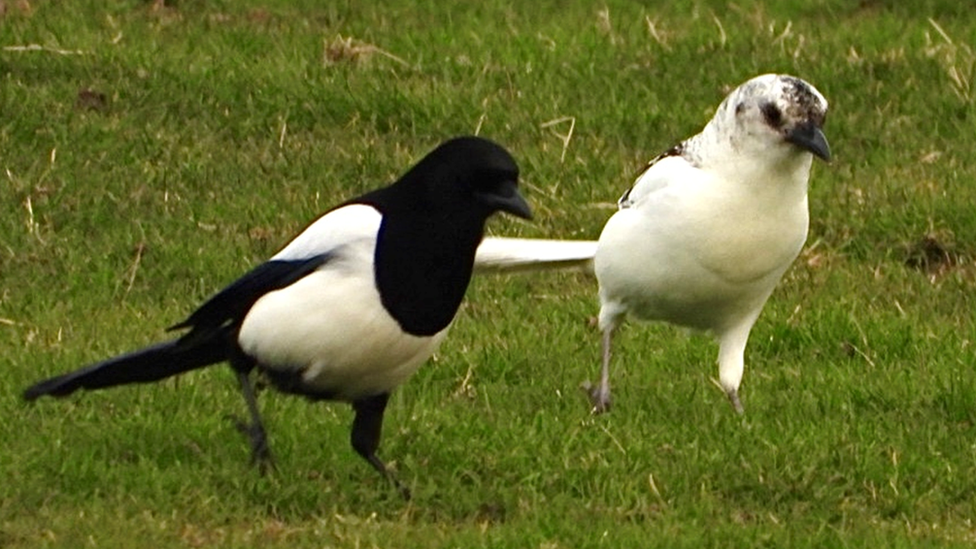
{"x":152,"y":153}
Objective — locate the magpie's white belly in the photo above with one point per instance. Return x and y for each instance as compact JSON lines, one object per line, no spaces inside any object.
{"x":332,"y":328}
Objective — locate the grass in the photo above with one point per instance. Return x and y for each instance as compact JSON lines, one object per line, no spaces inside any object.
{"x":151,"y":155}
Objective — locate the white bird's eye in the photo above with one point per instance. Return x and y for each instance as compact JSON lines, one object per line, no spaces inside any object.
{"x":772,"y":115}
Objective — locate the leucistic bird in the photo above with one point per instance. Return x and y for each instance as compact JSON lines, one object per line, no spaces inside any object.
{"x":706,"y":232}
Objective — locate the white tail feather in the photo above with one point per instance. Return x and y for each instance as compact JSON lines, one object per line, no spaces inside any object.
{"x":501,"y":254}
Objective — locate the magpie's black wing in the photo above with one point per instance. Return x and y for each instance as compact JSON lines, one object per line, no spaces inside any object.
{"x":232,"y":303}
{"x":205,"y":344}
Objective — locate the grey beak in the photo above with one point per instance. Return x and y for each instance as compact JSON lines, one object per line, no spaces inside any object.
{"x":809,"y":137}
{"x":508,"y":199}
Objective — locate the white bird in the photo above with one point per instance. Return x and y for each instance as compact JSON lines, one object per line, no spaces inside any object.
{"x":351,"y":307}
{"x":710,"y":226}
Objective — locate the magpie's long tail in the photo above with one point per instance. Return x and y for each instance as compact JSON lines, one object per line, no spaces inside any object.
{"x":502,"y":254}
{"x":152,"y":363}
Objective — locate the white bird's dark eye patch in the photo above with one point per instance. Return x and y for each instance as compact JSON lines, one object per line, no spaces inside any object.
{"x":772,"y":115}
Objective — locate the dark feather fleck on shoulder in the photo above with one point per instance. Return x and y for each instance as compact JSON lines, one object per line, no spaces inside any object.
{"x":676,"y":150}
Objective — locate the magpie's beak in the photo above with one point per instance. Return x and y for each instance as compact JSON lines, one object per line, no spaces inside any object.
{"x":507,"y":199}
{"x":809,"y":137}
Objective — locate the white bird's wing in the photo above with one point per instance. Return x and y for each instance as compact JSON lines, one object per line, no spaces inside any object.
{"x":502,"y":254}
{"x":655,"y":176}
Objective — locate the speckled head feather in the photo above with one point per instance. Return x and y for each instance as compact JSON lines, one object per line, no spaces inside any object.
{"x":760,"y":112}
{"x":795,"y":99}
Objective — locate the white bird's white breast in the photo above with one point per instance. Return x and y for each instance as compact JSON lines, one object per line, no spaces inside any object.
{"x":699,"y":250}
{"x":331,"y":324}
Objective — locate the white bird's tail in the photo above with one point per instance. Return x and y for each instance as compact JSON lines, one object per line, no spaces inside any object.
{"x":502,"y":254}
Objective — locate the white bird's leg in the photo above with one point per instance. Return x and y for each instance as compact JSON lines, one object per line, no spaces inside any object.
{"x":365,"y":435}
{"x":731,"y":362}
{"x":258,"y":437}
{"x":600,"y":395}
{"x":611,"y":314}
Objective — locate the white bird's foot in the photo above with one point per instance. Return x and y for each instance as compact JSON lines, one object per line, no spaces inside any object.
{"x":736,"y":403}
{"x":599,"y":396}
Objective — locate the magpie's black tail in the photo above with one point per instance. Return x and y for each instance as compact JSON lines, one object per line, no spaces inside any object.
{"x":143,"y":366}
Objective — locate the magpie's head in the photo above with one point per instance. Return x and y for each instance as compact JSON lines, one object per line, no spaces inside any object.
{"x":777,"y":113}
{"x":473,"y":174}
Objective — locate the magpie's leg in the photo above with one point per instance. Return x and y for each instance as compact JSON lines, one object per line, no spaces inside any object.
{"x":365,"y":436}
{"x":600,"y":395}
{"x":254,"y":431}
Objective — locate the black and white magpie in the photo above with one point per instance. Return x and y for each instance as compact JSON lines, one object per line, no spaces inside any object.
{"x":351,"y":307}
{"x":706,"y":232}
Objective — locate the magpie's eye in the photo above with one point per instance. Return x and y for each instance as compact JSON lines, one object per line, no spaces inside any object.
{"x":772,"y":114}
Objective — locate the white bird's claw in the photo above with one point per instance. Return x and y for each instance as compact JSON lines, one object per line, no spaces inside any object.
{"x":736,"y":403}
{"x":599,"y":396}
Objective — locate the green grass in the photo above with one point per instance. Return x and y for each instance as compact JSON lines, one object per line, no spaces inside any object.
{"x":224,"y":131}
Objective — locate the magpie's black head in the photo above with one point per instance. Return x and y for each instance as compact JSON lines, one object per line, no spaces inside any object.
{"x":470,"y":173}
{"x":433,"y":221}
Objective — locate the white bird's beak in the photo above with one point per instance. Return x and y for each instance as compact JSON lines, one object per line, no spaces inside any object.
{"x":809,"y":137}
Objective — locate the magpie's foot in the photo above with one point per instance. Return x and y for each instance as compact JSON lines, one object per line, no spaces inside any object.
{"x":403,"y":490}
{"x":258,"y":438}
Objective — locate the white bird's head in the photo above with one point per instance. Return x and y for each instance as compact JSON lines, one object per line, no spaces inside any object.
{"x":771,"y":116}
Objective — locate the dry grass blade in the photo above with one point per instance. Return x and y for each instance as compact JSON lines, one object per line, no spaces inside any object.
{"x":349,"y":50}
{"x":655,"y":33}
{"x":137,"y":253}
{"x":958,"y":60}
{"x":564,"y":137}
{"x":38,"y":47}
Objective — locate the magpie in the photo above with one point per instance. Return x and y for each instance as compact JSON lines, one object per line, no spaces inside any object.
{"x":348,"y":309}
{"x":707,"y":230}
